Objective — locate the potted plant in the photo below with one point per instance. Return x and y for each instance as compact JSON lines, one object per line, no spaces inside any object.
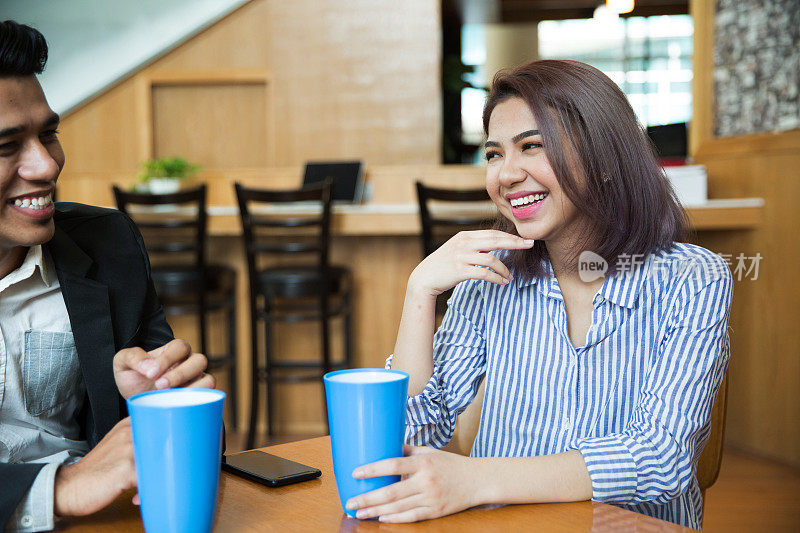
{"x":164,"y":175}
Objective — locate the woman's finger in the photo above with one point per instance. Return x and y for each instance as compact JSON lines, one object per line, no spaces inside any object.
{"x":382,"y":496}
{"x":487,"y":240}
{"x":396,"y":466}
{"x":412,"y":515}
{"x":476,"y":272}
{"x":409,"y":450}
{"x":489,"y":261}
{"x":393,"y":506}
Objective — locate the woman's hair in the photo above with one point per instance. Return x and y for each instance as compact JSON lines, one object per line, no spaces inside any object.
{"x":23,"y":50}
{"x":602,"y":159}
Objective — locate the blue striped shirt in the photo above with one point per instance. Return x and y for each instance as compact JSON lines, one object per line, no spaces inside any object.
{"x":635,"y":399}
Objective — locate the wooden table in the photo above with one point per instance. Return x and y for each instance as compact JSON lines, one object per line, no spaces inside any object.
{"x":314,"y":506}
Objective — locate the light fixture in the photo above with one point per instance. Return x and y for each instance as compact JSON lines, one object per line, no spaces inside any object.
{"x":620,"y":6}
{"x":604,"y":15}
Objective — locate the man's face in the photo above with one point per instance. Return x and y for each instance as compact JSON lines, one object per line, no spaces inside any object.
{"x":31,"y":159}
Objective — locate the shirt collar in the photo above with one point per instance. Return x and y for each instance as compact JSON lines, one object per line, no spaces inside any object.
{"x":34,"y":261}
{"x":622,"y":289}
{"x":547,"y":285}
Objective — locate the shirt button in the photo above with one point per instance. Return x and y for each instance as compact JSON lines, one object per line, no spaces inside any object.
{"x":27,"y":521}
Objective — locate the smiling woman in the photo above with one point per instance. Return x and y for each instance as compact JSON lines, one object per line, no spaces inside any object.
{"x":596,"y":388}
{"x":605,"y":165}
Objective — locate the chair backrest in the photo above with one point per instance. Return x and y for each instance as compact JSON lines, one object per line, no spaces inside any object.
{"x":437,"y":228}
{"x":711,"y":457}
{"x":173,"y":224}
{"x":283,"y":230}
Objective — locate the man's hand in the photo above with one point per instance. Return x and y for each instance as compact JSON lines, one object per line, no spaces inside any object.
{"x":434,"y":484}
{"x":171,"y":365}
{"x":87,"y":486}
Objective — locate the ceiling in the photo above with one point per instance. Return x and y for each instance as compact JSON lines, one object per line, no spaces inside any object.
{"x":507,"y":11}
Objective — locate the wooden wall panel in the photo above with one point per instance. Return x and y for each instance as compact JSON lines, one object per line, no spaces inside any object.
{"x":347,"y":79}
{"x":215,"y":125}
{"x":764,"y":379}
{"x":764,"y":395}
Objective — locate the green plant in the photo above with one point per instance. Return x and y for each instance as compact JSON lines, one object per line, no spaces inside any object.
{"x":167,"y":167}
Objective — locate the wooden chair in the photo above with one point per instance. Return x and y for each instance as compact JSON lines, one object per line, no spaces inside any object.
{"x":174,"y":229}
{"x":711,"y":457}
{"x":438,"y":227}
{"x":292,"y":290}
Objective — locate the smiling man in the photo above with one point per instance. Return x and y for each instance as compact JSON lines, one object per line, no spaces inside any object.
{"x":81,"y":328}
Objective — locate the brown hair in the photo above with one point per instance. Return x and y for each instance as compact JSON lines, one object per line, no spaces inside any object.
{"x":601,"y":157}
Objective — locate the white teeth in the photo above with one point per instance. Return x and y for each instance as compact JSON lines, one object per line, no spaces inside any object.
{"x":34,"y":203}
{"x":531,"y":198}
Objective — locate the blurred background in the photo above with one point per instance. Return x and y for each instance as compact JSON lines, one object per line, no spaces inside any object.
{"x":252,"y":90}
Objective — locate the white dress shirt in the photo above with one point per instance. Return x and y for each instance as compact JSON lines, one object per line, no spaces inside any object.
{"x":41,"y":386}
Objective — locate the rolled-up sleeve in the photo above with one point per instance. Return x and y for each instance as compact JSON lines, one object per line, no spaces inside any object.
{"x":459,"y":363}
{"x":653,"y":459}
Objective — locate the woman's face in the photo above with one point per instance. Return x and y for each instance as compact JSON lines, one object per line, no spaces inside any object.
{"x":519,"y":178}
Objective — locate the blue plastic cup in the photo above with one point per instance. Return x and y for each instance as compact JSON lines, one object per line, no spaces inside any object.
{"x":177,"y":445}
{"x":367,"y":418}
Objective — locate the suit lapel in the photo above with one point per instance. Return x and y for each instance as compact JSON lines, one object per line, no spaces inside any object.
{"x":90,"y":317}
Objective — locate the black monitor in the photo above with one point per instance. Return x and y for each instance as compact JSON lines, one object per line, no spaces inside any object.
{"x":347,"y":176}
{"x":670,"y":139}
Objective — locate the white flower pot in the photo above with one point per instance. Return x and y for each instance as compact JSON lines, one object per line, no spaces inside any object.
{"x":163,"y":185}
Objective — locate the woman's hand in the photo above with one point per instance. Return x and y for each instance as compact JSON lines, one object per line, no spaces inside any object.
{"x":465,"y":257}
{"x":434,"y":484}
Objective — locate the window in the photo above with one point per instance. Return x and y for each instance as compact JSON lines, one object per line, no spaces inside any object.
{"x":650,"y":58}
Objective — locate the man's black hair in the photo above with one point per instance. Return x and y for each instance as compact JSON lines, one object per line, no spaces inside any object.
{"x":23,"y":50}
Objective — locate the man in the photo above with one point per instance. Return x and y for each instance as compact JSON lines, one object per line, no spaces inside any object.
{"x":81,"y":328}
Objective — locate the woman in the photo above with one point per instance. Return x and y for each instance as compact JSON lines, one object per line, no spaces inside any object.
{"x":598,"y":384}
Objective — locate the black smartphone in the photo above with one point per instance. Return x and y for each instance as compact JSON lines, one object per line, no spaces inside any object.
{"x":268,"y":469}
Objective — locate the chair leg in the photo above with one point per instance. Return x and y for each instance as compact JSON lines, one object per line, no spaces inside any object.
{"x":254,"y":381}
{"x":348,"y":330}
{"x":326,"y":353}
{"x":232,"y":360}
{"x":269,"y":374}
{"x":201,"y":325}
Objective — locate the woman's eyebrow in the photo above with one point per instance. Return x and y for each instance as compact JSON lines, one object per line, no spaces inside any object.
{"x":529,"y":133}
{"x":515,"y":139}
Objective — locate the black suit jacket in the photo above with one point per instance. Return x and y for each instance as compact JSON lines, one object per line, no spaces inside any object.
{"x":104,"y":272}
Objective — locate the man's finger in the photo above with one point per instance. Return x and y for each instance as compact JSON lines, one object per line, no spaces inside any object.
{"x":185,"y":372}
{"x":203,"y":381}
{"x":161,"y":359}
{"x":129,"y":358}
